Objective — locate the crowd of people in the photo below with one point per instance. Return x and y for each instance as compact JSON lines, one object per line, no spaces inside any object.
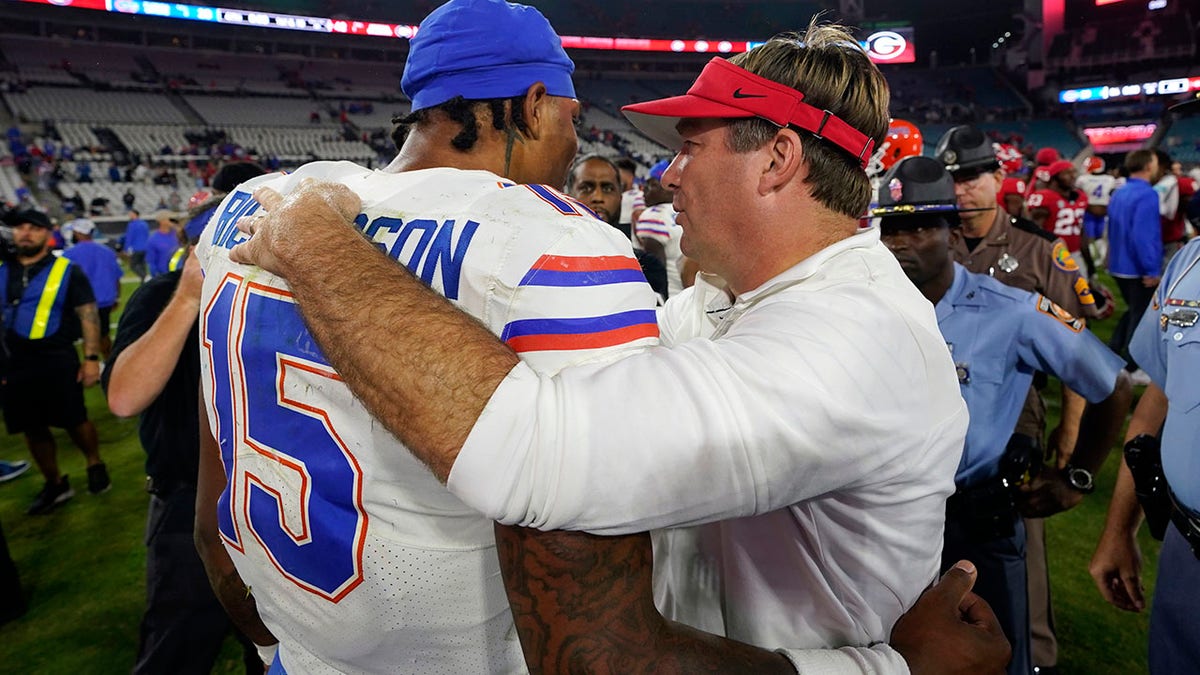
{"x":854,"y":364}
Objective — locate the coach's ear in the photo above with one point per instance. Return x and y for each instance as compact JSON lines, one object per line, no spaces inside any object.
{"x":536,"y":110}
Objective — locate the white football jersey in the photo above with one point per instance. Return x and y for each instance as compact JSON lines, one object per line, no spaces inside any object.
{"x":631,"y":200}
{"x":360,"y":560}
{"x":1097,"y":186}
{"x":658,"y":223}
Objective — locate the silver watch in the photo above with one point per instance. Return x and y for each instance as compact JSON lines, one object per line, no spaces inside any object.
{"x":1081,"y":479}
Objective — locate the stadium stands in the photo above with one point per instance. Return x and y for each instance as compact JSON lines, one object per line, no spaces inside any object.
{"x":1182,"y":140}
{"x":85,"y":105}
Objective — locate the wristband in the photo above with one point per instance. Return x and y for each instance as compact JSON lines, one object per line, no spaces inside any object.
{"x":267,"y":654}
{"x":92,"y":357}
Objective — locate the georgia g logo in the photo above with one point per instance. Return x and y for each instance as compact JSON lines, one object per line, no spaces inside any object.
{"x":886,"y":45}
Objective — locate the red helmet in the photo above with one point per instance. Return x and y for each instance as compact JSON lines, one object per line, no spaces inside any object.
{"x":1010,"y":158}
{"x":1094,"y":164}
{"x":903,"y":140}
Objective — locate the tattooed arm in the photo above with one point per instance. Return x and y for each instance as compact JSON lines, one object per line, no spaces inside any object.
{"x":585,"y":604}
{"x":89,"y":321}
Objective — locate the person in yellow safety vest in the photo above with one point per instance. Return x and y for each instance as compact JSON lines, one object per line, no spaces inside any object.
{"x":176,"y":262}
{"x":48,"y":305}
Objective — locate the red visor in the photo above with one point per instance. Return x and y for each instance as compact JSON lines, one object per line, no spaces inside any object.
{"x":727,"y":91}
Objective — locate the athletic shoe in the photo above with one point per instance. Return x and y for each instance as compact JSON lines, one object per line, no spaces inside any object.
{"x":50,"y":497}
{"x":10,"y":470}
{"x":98,"y":481}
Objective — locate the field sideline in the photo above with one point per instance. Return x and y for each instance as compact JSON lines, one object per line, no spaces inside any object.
{"x":83,"y":566}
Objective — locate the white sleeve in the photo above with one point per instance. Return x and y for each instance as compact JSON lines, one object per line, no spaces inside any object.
{"x":802,"y":400}
{"x":879,"y":659}
{"x":1168,"y":196}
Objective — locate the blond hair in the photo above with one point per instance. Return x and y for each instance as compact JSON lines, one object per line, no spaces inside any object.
{"x":833,"y":72}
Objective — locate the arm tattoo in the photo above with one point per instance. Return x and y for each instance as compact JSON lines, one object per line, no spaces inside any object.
{"x":88,"y":315}
{"x":584,"y":604}
{"x":89,"y":321}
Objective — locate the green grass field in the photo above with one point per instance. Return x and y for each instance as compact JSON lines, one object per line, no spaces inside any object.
{"x":84,"y":567}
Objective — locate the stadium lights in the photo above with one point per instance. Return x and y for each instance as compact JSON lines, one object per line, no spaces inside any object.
{"x":894,"y":45}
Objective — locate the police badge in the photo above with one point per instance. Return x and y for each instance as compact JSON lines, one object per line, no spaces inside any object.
{"x":1008,"y":264}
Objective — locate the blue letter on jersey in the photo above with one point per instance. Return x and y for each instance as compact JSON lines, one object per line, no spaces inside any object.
{"x":226,"y":234}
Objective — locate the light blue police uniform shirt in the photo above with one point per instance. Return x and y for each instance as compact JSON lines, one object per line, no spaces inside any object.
{"x":1000,"y":337}
{"x":1168,"y":349}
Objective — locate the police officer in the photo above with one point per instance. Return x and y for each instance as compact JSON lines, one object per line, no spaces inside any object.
{"x":1166,"y":345}
{"x":1018,"y":253}
{"x":999,"y":337}
{"x":48,"y":304}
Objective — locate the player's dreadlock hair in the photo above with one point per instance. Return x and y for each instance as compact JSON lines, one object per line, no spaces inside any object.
{"x":462,"y":111}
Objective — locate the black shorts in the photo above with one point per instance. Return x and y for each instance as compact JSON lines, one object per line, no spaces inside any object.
{"x":49,"y":397}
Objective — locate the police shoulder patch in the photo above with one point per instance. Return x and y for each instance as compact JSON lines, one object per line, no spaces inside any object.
{"x":1045,"y":306}
{"x":1062,"y":258}
{"x":1083,"y":291}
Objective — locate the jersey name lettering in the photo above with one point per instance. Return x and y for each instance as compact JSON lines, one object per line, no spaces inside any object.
{"x":226,"y":234}
{"x":423,"y":245}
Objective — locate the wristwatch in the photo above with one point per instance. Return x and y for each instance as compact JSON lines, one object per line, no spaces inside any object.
{"x":91,"y":357}
{"x":1080,"y":479}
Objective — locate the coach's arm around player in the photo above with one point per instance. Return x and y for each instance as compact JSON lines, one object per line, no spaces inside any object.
{"x":949,"y":630}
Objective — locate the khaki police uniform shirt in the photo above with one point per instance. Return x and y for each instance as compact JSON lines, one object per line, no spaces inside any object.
{"x":1018,"y":253}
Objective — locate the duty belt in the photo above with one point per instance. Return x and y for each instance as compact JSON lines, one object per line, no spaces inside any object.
{"x":1187,"y":522}
{"x":163,"y":488}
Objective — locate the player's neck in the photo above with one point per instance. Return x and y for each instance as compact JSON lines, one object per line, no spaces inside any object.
{"x":432,"y":149}
{"x":977,"y":225}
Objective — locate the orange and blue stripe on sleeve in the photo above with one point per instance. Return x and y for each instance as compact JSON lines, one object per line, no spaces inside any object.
{"x":559,"y":270}
{"x":593,"y":332}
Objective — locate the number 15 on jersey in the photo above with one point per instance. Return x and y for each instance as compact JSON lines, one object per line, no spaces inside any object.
{"x":293,"y":486}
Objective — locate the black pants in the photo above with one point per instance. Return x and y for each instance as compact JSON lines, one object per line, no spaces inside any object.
{"x":1138,"y":298}
{"x":184,"y":624}
{"x":12,"y":600}
{"x":137,"y":264}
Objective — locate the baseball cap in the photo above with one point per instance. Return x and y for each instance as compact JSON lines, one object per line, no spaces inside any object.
{"x":15,"y":218}
{"x":966,"y":152}
{"x":1046,"y":156}
{"x":484,"y":49}
{"x":1058,"y":166}
{"x":915,"y":186}
{"x":82,"y":226}
{"x":657,"y":171}
{"x":724,"y":90}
